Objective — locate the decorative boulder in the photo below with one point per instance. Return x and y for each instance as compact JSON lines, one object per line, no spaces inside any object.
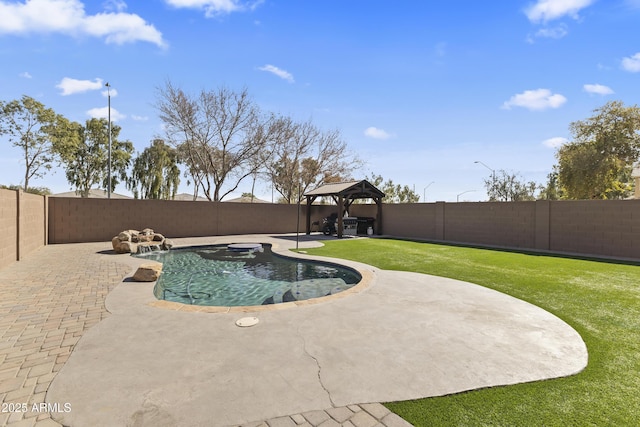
{"x":133,"y":241}
{"x":126,"y":247}
{"x":144,"y":238}
{"x":149,"y":272}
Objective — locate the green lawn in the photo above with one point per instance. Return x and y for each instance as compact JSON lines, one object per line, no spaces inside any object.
{"x":601,"y":300}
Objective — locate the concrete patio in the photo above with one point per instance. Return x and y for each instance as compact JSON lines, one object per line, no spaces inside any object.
{"x":403,"y":336}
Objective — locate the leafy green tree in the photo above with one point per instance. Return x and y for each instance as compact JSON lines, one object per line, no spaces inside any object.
{"x":394,"y":193}
{"x":155,"y":172}
{"x":509,"y":187}
{"x":586,"y":173}
{"x":597,"y":163}
{"x":29,"y":126}
{"x":84,"y":153}
{"x":552,"y":191}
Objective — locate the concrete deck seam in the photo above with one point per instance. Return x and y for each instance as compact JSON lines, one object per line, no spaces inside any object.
{"x":304,"y":348}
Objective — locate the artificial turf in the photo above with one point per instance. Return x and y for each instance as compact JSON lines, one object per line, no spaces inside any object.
{"x":599,"y":299}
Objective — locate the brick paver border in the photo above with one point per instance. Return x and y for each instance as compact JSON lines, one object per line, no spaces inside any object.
{"x":47,"y":301}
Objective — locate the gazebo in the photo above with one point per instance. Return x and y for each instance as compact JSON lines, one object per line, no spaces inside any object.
{"x":344,"y":194}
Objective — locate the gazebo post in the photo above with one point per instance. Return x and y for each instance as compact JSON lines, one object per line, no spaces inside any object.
{"x":340,"y":214}
{"x":309,"y":202}
{"x":379,"y":216}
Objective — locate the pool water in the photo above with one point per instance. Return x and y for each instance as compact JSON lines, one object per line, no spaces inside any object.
{"x":216,"y":276}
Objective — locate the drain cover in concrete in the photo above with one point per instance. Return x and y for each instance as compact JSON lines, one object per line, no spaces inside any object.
{"x":245,"y":322}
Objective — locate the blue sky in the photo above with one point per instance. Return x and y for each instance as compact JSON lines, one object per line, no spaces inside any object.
{"x":419,"y":90}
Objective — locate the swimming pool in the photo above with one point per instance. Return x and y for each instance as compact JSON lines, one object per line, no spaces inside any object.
{"x":216,"y":276}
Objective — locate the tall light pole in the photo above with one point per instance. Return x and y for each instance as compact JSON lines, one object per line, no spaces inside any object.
{"x":298,"y":221}
{"x":493,"y":172}
{"x":464,"y":192}
{"x":109,"y":147}
{"x":424,"y":192}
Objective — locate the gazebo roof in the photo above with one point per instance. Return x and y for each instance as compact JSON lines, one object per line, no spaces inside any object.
{"x":362,"y":189}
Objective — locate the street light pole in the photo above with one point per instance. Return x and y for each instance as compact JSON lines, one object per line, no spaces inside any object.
{"x":424,"y":192}
{"x":298,"y":221}
{"x":493,"y":172}
{"x":464,"y":192}
{"x":109,"y":147}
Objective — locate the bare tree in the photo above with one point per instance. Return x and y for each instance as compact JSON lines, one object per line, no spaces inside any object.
{"x":218,"y":134}
{"x":305,"y":156}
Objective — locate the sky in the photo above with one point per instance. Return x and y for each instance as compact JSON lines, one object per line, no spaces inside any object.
{"x":430,"y":94}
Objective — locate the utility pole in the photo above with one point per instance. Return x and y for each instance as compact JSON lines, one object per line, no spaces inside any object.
{"x":109,"y":148}
{"x":493,"y":172}
{"x":424,"y":195}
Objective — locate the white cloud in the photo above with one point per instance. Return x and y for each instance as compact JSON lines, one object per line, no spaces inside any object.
{"x":376,"y":133}
{"x":556,"y":32}
{"x":549,"y":10}
{"x":25,"y":75}
{"x":285,"y":75}
{"x":215,"y":7}
{"x":539,"y":99}
{"x":103,"y":113}
{"x":115,"y":5}
{"x":69,"y":17}
{"x":70,"y":86}
{"x":632,"y":63}
{"x":555,"y":142}
{"x":598,"y":89}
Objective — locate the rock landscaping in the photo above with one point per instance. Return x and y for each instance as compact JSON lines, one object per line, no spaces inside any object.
{"x":149,"y":272}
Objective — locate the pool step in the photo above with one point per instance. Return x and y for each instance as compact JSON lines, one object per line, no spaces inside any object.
{"x":307,"y":289}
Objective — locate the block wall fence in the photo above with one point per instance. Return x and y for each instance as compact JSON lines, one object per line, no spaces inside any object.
{"x":603,"y":228}
{"x":23,"y":224}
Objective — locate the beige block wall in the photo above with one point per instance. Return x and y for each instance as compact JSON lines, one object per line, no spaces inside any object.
{"x":609,"y":228}
{"x":604,"y":227}
{"x":22,"y":224}
{"x":497,"y":224}
{"x":409,"y":220}
{"x":594,"y":227}
{"x":33,"y":223}
{"x":8,"y":227}
{"x":89,"y":220}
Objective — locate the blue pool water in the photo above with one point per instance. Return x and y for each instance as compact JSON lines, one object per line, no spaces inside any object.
{"x":216,"y":276}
